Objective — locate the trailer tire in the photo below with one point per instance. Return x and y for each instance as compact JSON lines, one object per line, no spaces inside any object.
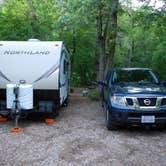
{"x":56,"y":113}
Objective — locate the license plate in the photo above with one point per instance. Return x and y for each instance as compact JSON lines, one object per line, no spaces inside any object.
{"x":147,"y":119}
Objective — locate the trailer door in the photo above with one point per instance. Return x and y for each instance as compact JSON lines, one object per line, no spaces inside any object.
{"x":64,"y":78}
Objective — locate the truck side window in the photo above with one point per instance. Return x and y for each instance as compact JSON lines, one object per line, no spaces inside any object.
{"x":114,"y":78}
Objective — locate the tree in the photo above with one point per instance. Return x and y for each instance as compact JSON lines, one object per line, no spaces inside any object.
{"x":144,"y":26}
{"x":106,"y":34}
{"x":99,"y":34}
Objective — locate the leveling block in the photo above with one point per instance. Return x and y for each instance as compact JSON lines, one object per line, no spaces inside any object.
{"x":49,"y":120}
{"x":16,"y":130}
{"x":3,"y":119}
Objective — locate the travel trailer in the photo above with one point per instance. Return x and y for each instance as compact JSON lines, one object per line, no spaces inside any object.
{"x":34,"y":77}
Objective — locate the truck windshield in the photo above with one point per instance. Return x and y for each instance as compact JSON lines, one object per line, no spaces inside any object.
{"x":134,"y":76}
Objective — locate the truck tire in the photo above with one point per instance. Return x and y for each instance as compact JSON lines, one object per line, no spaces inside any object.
{"x":108,"y":121}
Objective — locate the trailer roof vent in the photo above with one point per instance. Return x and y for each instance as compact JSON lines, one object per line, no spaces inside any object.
{"x":33,"y":40}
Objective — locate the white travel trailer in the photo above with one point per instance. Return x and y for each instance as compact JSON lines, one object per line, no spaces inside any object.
{"x":34,"y":76}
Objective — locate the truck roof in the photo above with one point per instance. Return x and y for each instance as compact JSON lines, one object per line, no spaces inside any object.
{"x":129,"y":69}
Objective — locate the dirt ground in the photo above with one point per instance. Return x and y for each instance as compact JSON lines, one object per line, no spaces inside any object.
{"x":80,"y":138}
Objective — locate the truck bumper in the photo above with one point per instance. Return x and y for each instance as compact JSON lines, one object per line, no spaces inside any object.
{"x":136,"y":116}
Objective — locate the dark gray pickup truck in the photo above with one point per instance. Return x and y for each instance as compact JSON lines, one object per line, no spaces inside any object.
{"x":133,"y":96}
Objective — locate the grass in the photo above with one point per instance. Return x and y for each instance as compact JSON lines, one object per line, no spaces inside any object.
{"x":94,"y":94}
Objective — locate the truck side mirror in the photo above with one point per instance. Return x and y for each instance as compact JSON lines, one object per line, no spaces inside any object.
{"x":163,"y":82}
{"x":100,"y":82}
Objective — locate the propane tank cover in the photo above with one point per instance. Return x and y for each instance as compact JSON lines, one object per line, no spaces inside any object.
{"x":25,"y":96}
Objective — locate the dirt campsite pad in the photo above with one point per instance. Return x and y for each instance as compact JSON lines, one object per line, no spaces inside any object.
{"x":78,"y":137}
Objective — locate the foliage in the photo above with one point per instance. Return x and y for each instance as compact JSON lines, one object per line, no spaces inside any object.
{"x":54,"y":20}
{"x":141,"y":39}
{"x":141,"y":33}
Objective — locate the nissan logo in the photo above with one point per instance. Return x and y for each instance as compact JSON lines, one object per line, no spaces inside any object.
{"x":147,"y":102}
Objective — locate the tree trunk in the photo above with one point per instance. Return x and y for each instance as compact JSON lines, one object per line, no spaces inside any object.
{"x":106,"y":20}
{"x":100,"y":42}
{"x":35,"y":31}
{"x":131,"y":52}
{"x":101,"y":59}
{"x":73,"y":48}
{"x":112,"y":38}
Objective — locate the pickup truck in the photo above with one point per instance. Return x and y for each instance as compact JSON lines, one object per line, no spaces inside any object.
{"x":133,"y":96}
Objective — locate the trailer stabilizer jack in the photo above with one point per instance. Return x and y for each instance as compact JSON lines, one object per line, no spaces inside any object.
{"x":16,"y":129}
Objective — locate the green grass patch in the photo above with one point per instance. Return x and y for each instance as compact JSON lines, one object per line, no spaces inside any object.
{"x":94,"y":94}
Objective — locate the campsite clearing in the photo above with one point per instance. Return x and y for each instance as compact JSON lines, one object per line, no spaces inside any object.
{"x":79,"y":137}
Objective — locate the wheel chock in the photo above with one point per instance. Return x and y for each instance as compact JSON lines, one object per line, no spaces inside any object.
{"x":2,"y":119}
{"x":16,"y":130}
{"x":49,"y":120}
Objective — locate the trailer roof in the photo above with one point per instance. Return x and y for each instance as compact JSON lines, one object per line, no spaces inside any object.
{"x":29,"y":60}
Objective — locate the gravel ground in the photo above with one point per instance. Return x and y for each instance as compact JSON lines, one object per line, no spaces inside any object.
{"x":79,"y":137}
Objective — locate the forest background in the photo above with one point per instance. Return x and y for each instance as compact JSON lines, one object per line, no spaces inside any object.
{"x":99,"y":34}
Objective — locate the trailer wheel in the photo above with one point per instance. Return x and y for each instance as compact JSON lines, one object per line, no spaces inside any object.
{"x":55,"y":112}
